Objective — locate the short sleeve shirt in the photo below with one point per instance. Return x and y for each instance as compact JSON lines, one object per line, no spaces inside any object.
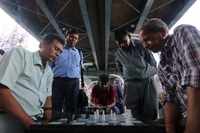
{"x":30,"y":82}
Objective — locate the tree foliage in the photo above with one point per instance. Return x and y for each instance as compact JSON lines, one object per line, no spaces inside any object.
{"x":14,"y":38}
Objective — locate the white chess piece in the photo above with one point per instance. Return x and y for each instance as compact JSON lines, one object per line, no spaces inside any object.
{"x":114,"y":117}
{"x":111,"y":115}
{"x":97,"y":113}
{"x":103,"y":118}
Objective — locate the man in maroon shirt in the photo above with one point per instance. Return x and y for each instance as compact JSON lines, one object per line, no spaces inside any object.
{"x":103,"y":94}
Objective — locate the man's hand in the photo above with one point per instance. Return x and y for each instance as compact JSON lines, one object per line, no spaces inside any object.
{"x":48,"y":109}
{"x":47,"y":115}
{"x":10,"y":105}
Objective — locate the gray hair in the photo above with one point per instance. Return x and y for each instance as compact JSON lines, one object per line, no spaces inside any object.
{"x":154,"y":25}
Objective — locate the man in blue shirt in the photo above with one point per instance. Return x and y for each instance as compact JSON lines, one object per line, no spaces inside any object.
{"x":66,"y":70}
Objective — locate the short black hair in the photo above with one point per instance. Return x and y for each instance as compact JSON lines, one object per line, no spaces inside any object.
{"x":51,"y":37}
{"x":154,"y":25}
{"x":104,"y":78}
{"x":2,"y":51}
{"x":119,"y":35}
{"x":72,"y":31}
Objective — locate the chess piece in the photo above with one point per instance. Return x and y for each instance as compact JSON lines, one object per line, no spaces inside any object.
{"x":103,"y":117}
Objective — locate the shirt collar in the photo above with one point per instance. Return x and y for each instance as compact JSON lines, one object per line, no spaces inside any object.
{"x":37,"y":59}
{"x":67,"y":47}
{"x":132,"y":43}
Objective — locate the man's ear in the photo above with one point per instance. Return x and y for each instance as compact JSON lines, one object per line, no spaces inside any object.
{"x":129,"y":35}
{"x":67,"y":37}
{"x":163,"y":33}
{"x":40,"y":45}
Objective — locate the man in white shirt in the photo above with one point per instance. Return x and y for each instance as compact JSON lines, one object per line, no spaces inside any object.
{"x":25,"y":84}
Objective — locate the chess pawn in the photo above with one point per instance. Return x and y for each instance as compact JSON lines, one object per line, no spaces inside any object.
{"x":125,"y":109}
{"x":97,"y":114}
{"x":114,"y":117}
{"x":103,"y":117}
{"x":111,"y":115}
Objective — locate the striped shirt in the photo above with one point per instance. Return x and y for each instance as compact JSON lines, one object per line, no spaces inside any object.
{"x":180,"y":64}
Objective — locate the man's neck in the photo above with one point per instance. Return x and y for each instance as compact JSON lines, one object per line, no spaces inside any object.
{"x":44,"y":60}
{"x":70,"y":45}
{"x":166,"y":40}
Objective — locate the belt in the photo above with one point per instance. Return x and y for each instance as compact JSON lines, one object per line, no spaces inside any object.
{"x":65,"y":78}
{"x":136,"y":80}
{"x":2,"y":112}
{"x":37,"y":117}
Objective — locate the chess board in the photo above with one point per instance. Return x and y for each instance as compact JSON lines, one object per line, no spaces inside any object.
{"x":101,"y":123}
{"x":125,"y":119}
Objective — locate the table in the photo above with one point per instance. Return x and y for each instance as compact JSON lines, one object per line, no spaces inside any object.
{"x":109,"y":123}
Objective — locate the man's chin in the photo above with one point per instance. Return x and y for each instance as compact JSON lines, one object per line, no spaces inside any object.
{"x":51,"y":59}
{"x":155,"y":50}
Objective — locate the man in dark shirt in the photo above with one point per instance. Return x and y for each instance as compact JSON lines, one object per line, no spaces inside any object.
{"x":138,"y":70}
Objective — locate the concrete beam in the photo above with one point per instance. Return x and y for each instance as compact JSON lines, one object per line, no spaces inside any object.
{"x":57,"y":14}
{"x":85,"y":15}
{"x":108,"y":10}
{"x":125,"y":24}
{"x":180,"y":14}
{"x":131,"y":6}
{"x":144,"y":15}
{"x":49,"y":15}
{"x":162,"y":5}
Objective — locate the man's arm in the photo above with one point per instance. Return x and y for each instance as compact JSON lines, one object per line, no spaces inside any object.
{"x":168,"y":81}
{"x":10,"y":105}
{"x":112,"y":104}
{"x":189,"y":44}
{"x":170,"y":115}
{"x":193,"y":110}
{"x":149,"y":63}
{"x":48,"y":109}
{"x":119,"y":67}
{"x":11,"y":67}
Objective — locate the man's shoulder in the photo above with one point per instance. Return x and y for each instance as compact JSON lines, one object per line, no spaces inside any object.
{"x":17,"y":49}
{"x":21,"y":50}
{"x":18,"y":52}
{"x":79,"y":49}
{"x":184,"y":28}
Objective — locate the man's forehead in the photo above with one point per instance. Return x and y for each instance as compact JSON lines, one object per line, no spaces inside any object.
{"x":125,"y":37}
{"x":145,"y":35}
{"x":74,"y":34}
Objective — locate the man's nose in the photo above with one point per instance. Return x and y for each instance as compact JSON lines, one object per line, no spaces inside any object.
{"x":148,"y":44}
{"x":57,"y":53}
